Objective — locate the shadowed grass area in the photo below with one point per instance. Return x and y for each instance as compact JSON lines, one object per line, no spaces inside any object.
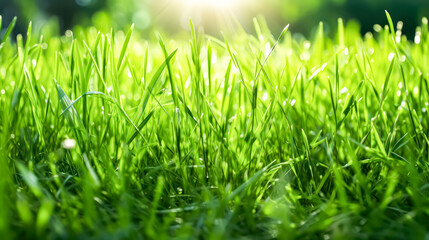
{"x":109,"y":135}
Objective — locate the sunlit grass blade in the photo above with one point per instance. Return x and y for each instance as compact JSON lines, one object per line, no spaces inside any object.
{"x":125,"y":47}
{"x":9,"y":30}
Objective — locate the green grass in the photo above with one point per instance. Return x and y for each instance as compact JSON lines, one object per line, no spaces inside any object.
{"x":204,"y":138}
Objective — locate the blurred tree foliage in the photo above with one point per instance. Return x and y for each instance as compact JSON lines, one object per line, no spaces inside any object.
{"x":303,"y":15}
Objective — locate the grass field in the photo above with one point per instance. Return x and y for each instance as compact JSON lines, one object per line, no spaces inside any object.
{"x":110,"y":135}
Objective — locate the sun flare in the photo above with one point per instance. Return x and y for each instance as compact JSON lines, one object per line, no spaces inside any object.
{"x":211,"y":3}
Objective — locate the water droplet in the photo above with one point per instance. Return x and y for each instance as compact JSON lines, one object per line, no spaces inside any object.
{"x":264,"y":97}
{"x":417,"y":39}
{"x":68,"y":144}
{"x":391,"y":56}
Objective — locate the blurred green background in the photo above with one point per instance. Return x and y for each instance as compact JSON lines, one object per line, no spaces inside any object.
{"x":172,"y":16}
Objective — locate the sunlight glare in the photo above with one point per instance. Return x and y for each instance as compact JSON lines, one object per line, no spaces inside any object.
{"x":210,"y":3}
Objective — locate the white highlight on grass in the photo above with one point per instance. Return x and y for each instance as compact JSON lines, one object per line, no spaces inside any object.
{"x":344,"y":90}
{"x":398,"y":93}
{"x":391,"y":56}
{"x":3,"y":91}
{"x":68,"y":143}
{"x":417,"y":38}
{"x":265,"y":97}
{"x":346,"y":51}
{"x":324,"y":92}
{"x":188,"y":82}
{"x":267,"y":49}
{"x":214,"y":58}
{"x":398,"y":38}
{"x":293,"y":102}
{"x":307,"y":44}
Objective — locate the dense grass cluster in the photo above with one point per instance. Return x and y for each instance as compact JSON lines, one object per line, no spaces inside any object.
{"x":109,"y":135}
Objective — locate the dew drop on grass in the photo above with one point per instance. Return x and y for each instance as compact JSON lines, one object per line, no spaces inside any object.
{"x":265,"y":97}
{"x":324,"y":92}
{"x":68,"y":143}
{"x":391,"y":56}
{"x":305,"y":56}
{"x":417,"y":38}
{"x":307,"y":44}
{"x":398,"y":93}
{"x":69,"y":33}
{"x":346,"y":51}
{"x":3,"y":91}
{"x":292,"y":102}
{"x":377,"y":28}
{"x":344,"y":90}
{"x":398,"y":38}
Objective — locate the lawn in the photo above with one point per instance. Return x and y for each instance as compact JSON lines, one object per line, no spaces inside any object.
{"x":251,"y":136}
